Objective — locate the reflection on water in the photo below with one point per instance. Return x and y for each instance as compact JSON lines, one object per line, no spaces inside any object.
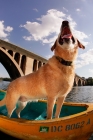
{"x":4,"y":85}
{"x":81,"y":94}
{"x":78,"y":94}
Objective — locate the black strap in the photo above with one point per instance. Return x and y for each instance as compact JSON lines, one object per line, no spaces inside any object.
{"x":64,"y":62}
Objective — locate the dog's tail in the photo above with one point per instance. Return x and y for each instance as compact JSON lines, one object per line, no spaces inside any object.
{"x":3,"y":102}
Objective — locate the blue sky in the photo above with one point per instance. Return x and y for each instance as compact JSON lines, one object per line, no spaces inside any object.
{"x":35,"y":25}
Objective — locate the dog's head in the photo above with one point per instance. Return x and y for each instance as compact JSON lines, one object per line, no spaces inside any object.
{"x":66,"y":45}
{"x":66,"y":39}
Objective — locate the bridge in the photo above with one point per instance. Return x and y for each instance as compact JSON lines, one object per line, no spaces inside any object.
{"x":19,"y":62}
{"x":79,"y":81}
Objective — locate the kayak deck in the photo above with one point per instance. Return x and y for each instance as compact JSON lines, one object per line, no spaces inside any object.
{"x":37,"y":110}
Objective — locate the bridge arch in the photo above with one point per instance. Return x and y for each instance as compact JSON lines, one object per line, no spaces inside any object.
{"x":10,"y":52}
{"x":35,"y":65}
{"x":9,"y":64}
{"x":75,"y":84}
{"x":39,"y":64}
{"x":23,"y":63}
{"x":79,"y":82}
{"x":17,"y":57}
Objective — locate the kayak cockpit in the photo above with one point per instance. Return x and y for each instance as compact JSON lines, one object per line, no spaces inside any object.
{"x":37,"y":110}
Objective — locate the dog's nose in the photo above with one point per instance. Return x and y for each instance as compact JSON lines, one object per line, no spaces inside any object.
{"x":65,"y":23}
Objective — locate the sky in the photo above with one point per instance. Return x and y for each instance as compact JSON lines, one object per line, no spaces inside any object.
{"x":35,"y":24}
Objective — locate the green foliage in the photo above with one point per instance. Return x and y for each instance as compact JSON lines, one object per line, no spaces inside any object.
{"x":5,"y":79}
{"x":90,"y":81}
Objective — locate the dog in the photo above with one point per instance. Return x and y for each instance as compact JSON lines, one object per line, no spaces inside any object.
{"x":53,"y":81}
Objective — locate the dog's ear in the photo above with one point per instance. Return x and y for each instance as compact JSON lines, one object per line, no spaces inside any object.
{"x":80,"y":45}
{"x":53,"y":47}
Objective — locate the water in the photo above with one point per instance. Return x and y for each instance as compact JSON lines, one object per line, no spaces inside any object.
{"x":77,"y":94}
{"x":4,"y":85}
{"x":81,"y":94}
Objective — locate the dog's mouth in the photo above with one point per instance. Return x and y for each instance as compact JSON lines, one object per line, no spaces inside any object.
{"x":66,"y":34}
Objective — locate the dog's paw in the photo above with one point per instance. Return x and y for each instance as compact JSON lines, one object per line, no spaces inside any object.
{"x":18,"y":114}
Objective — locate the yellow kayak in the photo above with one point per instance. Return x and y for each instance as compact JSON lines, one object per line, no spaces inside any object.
{"x":75,"y":122}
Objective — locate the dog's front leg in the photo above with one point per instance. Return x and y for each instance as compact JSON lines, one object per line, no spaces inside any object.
{"x":60,"y":101}
{"x":50,"y":106}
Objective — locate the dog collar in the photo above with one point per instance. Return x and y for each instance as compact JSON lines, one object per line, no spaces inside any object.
{"x":64,"y":62}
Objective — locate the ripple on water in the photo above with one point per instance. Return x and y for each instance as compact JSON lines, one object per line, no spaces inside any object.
{"x":80,"y":94}
{"x":4,"y":85}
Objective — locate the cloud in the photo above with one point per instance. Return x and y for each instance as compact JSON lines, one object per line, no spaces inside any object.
{"x":35,"y":9}
{"x":78,"y":10}
{"x":91,"y":70}
{"x":4,"y":31}
{"x":81,"y":36}
{"x":47,"y":27}
{"x":49,"y":56}
{"x":65,"y":9}
{"x":85,"y":59}
{"x":8,"y":29}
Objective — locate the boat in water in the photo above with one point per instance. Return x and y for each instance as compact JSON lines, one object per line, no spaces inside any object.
{"x":75,"y":122}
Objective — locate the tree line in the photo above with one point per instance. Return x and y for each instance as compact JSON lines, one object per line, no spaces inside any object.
{"x":5,"y":79}
{"x":89,"y":81}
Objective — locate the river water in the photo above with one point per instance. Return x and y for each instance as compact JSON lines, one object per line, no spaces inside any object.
{"x":81,"y":94}
{"x":3,"y":85}
{"x":77,"y":94}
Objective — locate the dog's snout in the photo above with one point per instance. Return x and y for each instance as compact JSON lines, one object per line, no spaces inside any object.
{"x":65,"y":23}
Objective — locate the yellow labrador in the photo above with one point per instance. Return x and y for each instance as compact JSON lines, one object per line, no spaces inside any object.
{"x":53,"y":81}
